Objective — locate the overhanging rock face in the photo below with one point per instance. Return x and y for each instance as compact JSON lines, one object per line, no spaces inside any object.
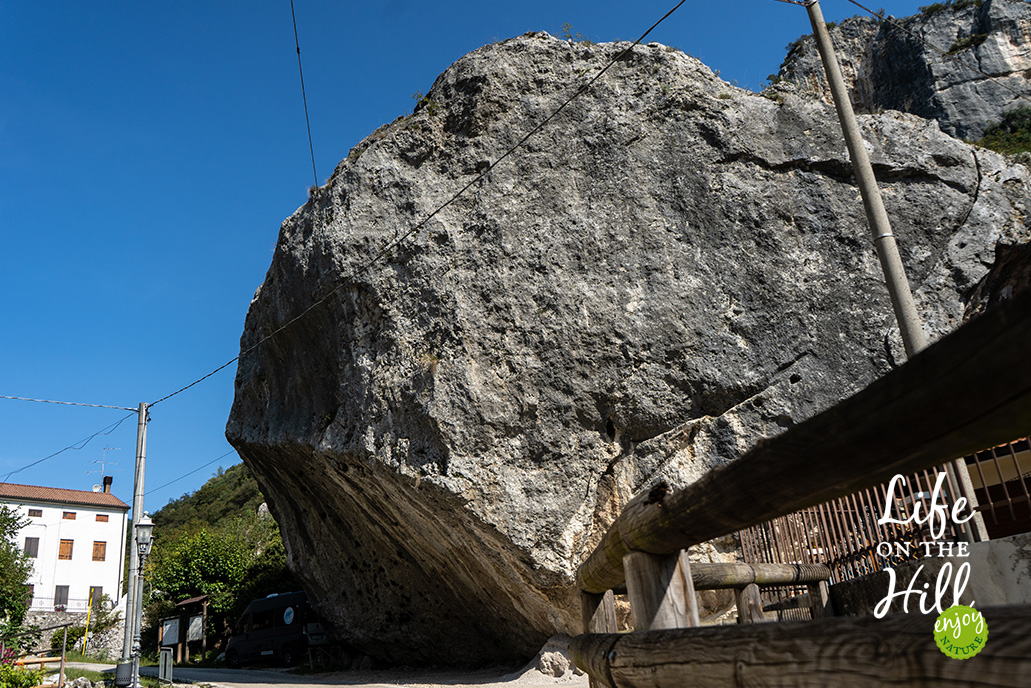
{"x":669,"y":270}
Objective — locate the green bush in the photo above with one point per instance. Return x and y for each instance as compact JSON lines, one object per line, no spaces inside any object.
{"x":104,"y":617}
{"x":1012,"y":135}
{"x":75,"y":634}
{"x":971,"y":41}
{"x":934,"y":8}
{"x":12,"y":676}
{"x":569,"y":35}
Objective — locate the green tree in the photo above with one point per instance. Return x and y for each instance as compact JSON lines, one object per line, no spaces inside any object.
{"x":214,"y":542}
{"x":200,"y":563}
{"x":15,"y":568}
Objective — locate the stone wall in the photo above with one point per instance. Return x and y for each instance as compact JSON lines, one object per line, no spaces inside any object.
{"x":106,"y":644}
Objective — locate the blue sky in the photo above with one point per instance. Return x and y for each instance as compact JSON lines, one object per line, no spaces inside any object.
{"x":149,"y":152}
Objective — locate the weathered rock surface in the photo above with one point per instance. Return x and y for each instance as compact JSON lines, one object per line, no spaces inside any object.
{"x":893,"y":65}
{"x":671,"y":269}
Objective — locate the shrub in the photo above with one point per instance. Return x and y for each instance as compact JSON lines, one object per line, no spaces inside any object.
{"x":12,"y":676}
{"x":75,"y":634}
{"x":569,"y":35}
{"x":793,"y":46}
{"x":1012,"y":135}
{"x":104,"y":616}
{"x":935,"y":8}
{"x":971,"y":41}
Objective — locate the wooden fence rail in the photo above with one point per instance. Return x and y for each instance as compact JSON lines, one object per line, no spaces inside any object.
{"x":969,"y":391}
{"x":844,"y":652}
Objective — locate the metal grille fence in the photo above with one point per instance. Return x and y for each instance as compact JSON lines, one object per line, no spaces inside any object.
{"x":844,"y":533}
{"x":1002,"y":483}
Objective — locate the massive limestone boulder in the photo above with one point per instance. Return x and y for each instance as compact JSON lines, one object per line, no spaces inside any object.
{"x":444,"y":421}
{"x":898,"y":64}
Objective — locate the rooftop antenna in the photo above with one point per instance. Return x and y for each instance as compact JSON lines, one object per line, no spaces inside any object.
{"x":103,"y":461}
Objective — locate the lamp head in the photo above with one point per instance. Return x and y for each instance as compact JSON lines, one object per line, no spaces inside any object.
{"x":144,"y":534}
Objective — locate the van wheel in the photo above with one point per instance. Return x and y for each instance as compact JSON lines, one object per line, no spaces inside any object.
{"x":232,"y":660}
{"x":289,"y":656}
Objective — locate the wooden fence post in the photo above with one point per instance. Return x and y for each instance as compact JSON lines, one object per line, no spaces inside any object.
{"x":661,"y":591}
{"x":749,"y":604}
{"x":598,"y":612}
{"x":820,"y":600}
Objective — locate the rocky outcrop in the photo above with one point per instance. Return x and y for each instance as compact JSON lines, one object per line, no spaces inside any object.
{"x":668,"y":271}
{"x":898,"y":64}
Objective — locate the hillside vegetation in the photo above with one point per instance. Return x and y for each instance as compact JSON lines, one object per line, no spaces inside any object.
{"x":1012,"y":135}
{"x":229,"y":493}
{"x":215,"y":542}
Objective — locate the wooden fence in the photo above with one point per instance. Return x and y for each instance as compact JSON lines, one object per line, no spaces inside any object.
{"x":844,"y":533}
{"x":969,"y":391}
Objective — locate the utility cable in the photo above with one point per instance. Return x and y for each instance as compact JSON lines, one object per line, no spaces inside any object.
{"x":304,"y":97}
{"x":67,"y":403}
{"x":422,"y":223}
{"x":953,"y":57}
{"x":186,"y":475}
{"x":76,"y":446}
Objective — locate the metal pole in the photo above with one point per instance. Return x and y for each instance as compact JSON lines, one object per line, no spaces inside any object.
{"x":137,"y":627}
{"x":887,"y":251}
{"x":137,"y":512}
{"x":910,"y":325}
{"x":89,"y":615}
{"x":64,"y":653}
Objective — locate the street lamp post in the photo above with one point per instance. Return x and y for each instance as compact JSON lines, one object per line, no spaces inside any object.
{"x":144,"y":541}
{"x":123,"y":673}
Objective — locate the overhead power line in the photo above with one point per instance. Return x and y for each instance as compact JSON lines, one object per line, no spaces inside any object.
{"x":391,"y":245}
{"x":66,"y":403}
{"x":75,"y":446}
{"x":186,"y":475}
{"x":304,"y":97}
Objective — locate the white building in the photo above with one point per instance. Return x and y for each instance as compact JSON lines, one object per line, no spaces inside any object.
{"x":76,"y":539}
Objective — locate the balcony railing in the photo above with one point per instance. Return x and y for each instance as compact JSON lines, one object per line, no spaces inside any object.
{"x":72,"y":604}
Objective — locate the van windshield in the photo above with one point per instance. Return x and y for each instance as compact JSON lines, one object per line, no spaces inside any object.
{"x":262,"y":620}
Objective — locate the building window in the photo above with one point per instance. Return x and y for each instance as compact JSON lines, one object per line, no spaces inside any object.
{"x":35,"y":513}
{"x":101,"y":518}
{"x":61,"y":596}
{"x":95,"y":593}
{"x":32,"y":547}
{"x":68,"y":516}
{"x":99,"y":551}
{"x":66,"y":550}
{"x":30,"y":590}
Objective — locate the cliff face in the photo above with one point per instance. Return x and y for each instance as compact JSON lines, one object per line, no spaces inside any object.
{"x":668,"y":271}
{"x":893,"y":65}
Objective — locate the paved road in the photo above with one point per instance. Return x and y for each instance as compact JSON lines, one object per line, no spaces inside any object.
{"x":281,"y":678}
